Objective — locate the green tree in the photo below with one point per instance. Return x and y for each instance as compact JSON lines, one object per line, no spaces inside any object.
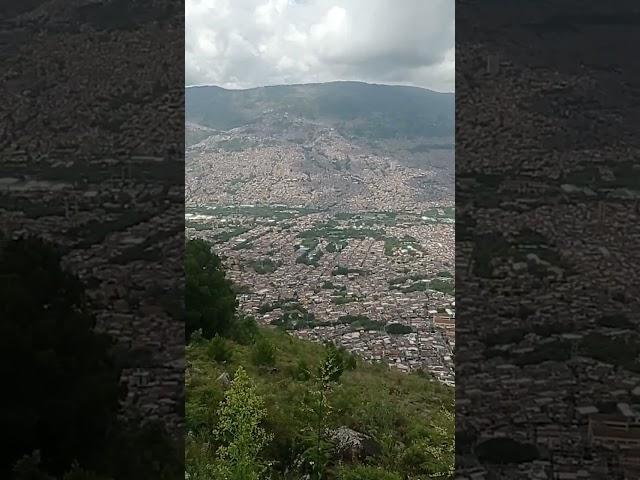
{"x":240,"y":431}
{"x":398,"y":329}
{"x":442,"y":285}
{"x":209,"y":299}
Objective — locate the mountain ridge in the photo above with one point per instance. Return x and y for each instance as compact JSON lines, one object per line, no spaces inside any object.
{"x":356,"y":109}
{"x":303,"y":84}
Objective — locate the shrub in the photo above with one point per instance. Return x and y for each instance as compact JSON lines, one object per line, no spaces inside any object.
{"x":263,"y":353}
{"x":218,"y":350}
{"x":302,"y":371}
{"x":244,"y":330}
{"x":350,"y":362}
{"x":239,"y":428}
{"x":433,"y":459}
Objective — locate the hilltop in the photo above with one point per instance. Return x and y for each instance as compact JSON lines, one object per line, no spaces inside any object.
{"x":353,"y":108}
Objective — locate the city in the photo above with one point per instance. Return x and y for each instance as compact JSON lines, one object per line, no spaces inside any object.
{"x":320,"y":218}
{"x":344,"y":277}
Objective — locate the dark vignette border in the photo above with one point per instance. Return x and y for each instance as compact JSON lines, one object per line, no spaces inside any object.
{"x":547,"y":203}
{"x":91,"y":162}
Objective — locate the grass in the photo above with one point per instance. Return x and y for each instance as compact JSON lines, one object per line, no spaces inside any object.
{"x":407,"y":414}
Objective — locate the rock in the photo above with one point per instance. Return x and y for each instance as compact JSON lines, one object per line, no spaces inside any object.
{"x":224,"y":379}
{"x":353,"y":445}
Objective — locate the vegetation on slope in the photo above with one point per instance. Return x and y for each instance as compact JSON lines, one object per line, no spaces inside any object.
{"x":209,"y":299}
{"x":409,"y":417}
{"x":305,"y":402}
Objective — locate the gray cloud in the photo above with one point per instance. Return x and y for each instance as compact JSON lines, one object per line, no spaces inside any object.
{"x":248,"y":43}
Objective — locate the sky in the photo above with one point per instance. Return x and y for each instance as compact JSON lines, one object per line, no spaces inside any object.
{"x":252,"y":43}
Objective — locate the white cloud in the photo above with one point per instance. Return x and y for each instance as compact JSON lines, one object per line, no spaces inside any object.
{"x":247,"y":43}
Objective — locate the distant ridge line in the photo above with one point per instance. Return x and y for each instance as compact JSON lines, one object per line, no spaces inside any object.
{"x":313,"y":84}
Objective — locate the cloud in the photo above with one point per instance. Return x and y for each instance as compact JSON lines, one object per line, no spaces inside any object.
{"x":248,"y":43}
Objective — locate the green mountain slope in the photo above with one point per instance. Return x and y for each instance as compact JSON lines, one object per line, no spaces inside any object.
{"x":354,"y":108}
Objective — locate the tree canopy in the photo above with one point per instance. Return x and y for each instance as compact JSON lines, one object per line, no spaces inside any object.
{"x":210,"y":300}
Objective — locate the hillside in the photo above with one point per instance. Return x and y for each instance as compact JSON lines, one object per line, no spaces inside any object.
{"x":353,"y":108}
{"x":343,"y":143}
{"x":263,"y":404}
{"x":409,"y":418}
